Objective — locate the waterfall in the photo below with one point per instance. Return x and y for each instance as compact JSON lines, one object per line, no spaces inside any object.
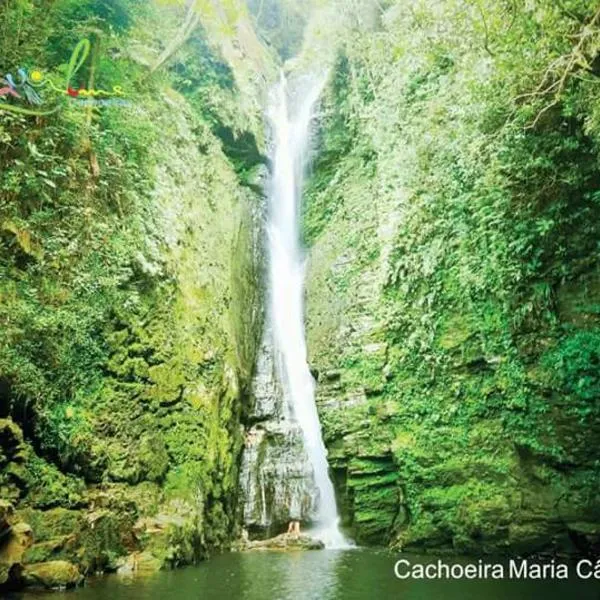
{"x":291,"y":130}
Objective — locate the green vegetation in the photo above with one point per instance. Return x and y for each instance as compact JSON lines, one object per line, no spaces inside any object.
{"x":129,"y":281}
{"x":453,"y":223}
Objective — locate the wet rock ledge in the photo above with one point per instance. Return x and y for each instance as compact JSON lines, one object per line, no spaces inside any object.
{"x":285,"y":541}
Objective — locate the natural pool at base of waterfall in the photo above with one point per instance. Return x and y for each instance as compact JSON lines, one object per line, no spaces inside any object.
{"x":355,"y":574}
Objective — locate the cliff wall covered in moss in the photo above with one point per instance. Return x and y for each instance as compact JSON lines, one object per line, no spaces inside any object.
{"x":129,"y":285}
{"x":453,"y":278}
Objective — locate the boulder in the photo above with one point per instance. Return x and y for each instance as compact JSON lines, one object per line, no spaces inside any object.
{"x":12,"y":548}
{"x":56,"y":574}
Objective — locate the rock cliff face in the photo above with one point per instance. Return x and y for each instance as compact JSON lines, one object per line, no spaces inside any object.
{"x":276,"y":477}
{"x":453,"y":286}
{"x":131,"y":308}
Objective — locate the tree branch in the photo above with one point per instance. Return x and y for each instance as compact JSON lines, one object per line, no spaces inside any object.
{"x":191,"y":21}
{"x":554,"y":80}
{"x":486,"y":43}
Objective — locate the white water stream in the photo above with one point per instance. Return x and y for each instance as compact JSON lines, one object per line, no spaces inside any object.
{"x":286,"y":286}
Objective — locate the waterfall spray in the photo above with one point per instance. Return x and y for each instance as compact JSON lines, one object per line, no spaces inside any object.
{"x":286,"y":287}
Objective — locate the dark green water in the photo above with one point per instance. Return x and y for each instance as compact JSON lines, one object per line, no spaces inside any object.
{"x":322,"y":575}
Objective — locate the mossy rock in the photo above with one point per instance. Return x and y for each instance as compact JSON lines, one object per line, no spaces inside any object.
{"x":422,"y":535}
{"x":13,"y":457}
{"x":53,"y":575}
{"x":142,"y":339}
{"x":11,"y":440}
{"x":92,"y":540}
{"x":104,"y":537}
{"x":52,"y":524}
{"x":48,"y":487}
{"x":56,"y":549}
{"x":153,"y":458}
{"x":173,"y":536}
{"x":579,"y":301}
{"x":535,"y":537}
{"x":169,"y":383}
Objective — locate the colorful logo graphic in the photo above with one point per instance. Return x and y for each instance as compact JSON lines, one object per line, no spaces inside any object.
{"x":23,"y":89}
{"x":27,"y":88}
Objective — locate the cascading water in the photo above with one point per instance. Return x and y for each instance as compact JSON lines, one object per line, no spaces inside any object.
{"x":286,"y":290}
